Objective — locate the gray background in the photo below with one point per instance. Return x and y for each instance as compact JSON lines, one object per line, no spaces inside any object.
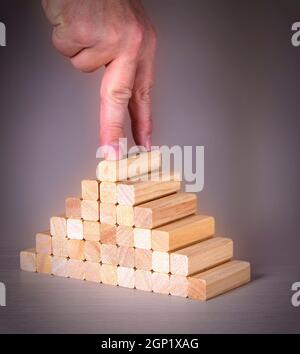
{"x":227,"y":78}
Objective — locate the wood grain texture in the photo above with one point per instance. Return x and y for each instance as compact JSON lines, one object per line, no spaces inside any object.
{"x":92,"y":251}
{"x":109,"y":274}
{"x":143,"y":280}
{"x":108,"y":234}
{"x":28,"y":260}
{"x":75,"y":249}
{"x":161,"y":262}
{"x":178,"y":285}
{"x":59,"y":246}
{"x":108,"y":192}
{"x":182,"y":233}
{"x":90,"y":189}
{"x":164,"y":210}
{"x":109,"y":254}
{"x":75,"y":269}
{"x":43,"y":263}
{"x":73,"y":207}
{"x":92,"y":271}
{"x":143,"y":259}
{"x":201,"y":256}
{"x":160,"y":283}
{"x":43,"y":242}
{"x":142,"y":238}
{"x":90,"y":210}
{"x":218,"y":280}
{"x":125,"y":236}
{"x":125,"y":277}
{"x":125,"y":215}
{"x":75,"y":229}
{"x":91,"y":230}
{"x":58,"y":226}
{"x":108,"y":213}
{"x":126,"y":256}
{"x":59,"y":266}
{"x":113,"y":171}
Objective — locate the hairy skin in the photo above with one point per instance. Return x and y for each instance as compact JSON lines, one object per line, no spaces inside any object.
{"x":116,"y":34}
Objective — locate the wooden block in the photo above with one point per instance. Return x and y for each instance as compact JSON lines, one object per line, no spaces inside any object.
{"x":143,"y":259}
{"x":160,"y":283}
{"x":43,"y":263}
{"x":125,"y":215}
{"x":59,"y":266}
{"x":59,"y":246}
{"x":108,"y":234}
{"x":218,"y":280}
{"x":143,"y":280}
{"x":43,"y":242}
{"x":182,"y":233}
{"x":125,"y":236}
{"x":108,"y":192}
{"x":109,"y":274}
{"x":164,"y":210}
{"x":142,"y":238}
{"x":73,"y":208}
{"x":75,"y":249}
{"x":178,"y":285}
{"x":92,"y":251}
{"x":90,"y":210}
{"x":131,"y":193}
{"x":125,"y":277}
{"x":92,"y":271}
{"x":91,"y":230}
{"x":58,"y":226}
{"x":201,"y":256}
{"x":121,"y":170}
{"x":126,"y":256}
{"x":161,"y":262}
{"x":108,"y":213}
{"x":75,"y":269}
{"x":75,"y":229}
{"x":90,"y":189}
{"x":28,"y":260}
{"x":109,"y":254}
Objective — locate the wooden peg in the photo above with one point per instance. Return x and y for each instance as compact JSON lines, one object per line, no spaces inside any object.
{"x":143,"y":259}
{"x":125,"y":277}
{"x":43,"y":242}
{"x":108,"y":213}
{"x":108,"y":192}
{"x":143,"y":280}
{"x":58,"y":226}
{"x":109,"y":274}
{"x":43,"y":263}
{"x":75,"y":269}
{"x":142,"y":238}
{"x":125,"y":215}
{"x":91,"y":230}
{"x":160,"y":283}
{"x":92,"y":251}
{"x":90,"y":189}
{"x":126,"y":256}
{"x":28,"y":260}
{"x":59,"y":246}
{"x":160,"y":262}
{"x":59,"y":266}
{"x":75,"y":229}
{"x":73,"y":208}
{"x":92,"y":271}
{"x":109,"y":254}
{"x":108,"y":234}
{"x":125,"y":236}
{"x":178,"y":285}
{"x":75,"y":249}
{"x":90,"y":210}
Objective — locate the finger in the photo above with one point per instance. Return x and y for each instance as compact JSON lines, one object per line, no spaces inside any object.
{"x":116,"y":91}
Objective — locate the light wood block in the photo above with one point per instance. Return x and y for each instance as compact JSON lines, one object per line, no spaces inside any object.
{"x":59,"y":246}
{"x":73,"y":208}
{"x":178,"y":285}
{"x":58,"y":226}
{"x":143,"y":280}
{"x":75,"y":229}
{"x":125,"y":236}
{"x":113,"y":171}
{"x":75,"y":269}
{"x":90,"y":210}
{"x":201,"y":256}
{"x":161,"y":262}
{"x":125,"y":277}
{"x":92,"y":251}
{"x":108,"y":192}
{"x":91,"y":230}
{"x":28,"y":260}
{"x":143,"y":259}
{"x":108,"y":234}
{"x":218,"y":280}
{"x":60,"y":266}
{"x":131,"y":193}
{"x":142,"y":238}
{"x":125,"y":215}
{"x":126,"y":256}
{"x":108,"y":213}
{"x":182,"y":233}
{"x":92,"y":271}
{"x":109,"y":274}
{"x":75,"y":249}
{"x":43,"y":242}
{"x":164,"y":210}
{"x":109,"y":254}
{"x":160,"y":283}
{"x":43,"y":263}
{"x":90,"y":189}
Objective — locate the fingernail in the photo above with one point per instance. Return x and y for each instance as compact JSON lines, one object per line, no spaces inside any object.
{"x":112,"y":152}
{"x":148,"y":143}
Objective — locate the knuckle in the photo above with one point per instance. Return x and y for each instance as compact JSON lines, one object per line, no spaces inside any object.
{"x":143,"y":94}
{"x":137,"y":34}
{"x":120,"y":95}
{"x":84,"y":34}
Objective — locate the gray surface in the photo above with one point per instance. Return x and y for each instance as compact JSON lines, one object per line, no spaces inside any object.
{"x":46,"y":304}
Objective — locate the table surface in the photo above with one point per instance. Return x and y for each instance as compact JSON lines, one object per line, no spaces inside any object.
{"x":39,"y":303}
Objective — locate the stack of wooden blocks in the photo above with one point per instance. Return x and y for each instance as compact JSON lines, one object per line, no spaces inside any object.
{"x":137,"y":233}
